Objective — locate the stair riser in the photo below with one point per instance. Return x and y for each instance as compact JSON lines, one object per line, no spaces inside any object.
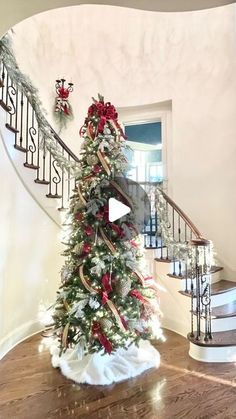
{"x":221,"y":325}
{"x":224,"y":298}
{"x":163,"y":268}
{"x":216,"y":354}
{"x":220,"y":299}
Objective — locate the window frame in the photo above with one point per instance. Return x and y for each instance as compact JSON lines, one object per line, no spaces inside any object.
{"x":158,"y":112}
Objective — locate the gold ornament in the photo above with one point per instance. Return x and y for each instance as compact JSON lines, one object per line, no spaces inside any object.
{"x":123,"y":287}
{"x":77,"y":248}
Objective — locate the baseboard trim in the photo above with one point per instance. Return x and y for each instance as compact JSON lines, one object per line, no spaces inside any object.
{"x":18,"y":335}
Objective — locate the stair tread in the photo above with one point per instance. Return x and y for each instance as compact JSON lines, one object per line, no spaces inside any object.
{"x":213,"y":270}
{"x":12,"y":129}
{"x":42,"y":182}
{"x":227,"y":338}
{"x":31,"y":166}
{"x":5,"y":106}
{"x":217,"y":288}
{"x":224,"y":311}
{"x":163,"y":260}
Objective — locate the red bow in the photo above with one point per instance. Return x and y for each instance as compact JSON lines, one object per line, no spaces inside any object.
{"x":106,"y":112}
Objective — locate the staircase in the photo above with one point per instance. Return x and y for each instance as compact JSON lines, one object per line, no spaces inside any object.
{"x":23,"y":138}
{"x":196,"y":302}
{"x":195,"y":292}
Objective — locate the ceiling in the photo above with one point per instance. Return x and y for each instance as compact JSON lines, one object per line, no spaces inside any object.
{"x":15,"y":11}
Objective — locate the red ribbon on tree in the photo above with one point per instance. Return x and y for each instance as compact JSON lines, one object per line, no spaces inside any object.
{"x":104,"y":298}
{"x":106,"y":282}
{"x":97,"y":332}
{"x":138,"y":295}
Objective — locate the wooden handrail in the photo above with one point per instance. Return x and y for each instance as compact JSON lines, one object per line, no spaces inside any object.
{"x":64,"y":146}
{"x":182,"y":214}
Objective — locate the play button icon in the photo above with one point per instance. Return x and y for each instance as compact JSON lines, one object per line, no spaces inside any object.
{"x":128,"y":209}
{"x":116,"y":209}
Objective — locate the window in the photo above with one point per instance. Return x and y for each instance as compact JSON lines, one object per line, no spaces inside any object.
{"x":145,"y":153}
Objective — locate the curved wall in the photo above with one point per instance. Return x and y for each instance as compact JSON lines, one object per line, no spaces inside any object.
{"x":136,"y":58}
{"x":29,"y":257}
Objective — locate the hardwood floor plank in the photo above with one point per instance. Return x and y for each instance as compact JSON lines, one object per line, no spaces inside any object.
{"x":181,"y":388}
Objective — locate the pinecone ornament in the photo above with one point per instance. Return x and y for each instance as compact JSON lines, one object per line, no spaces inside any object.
{"x":123,"y":287}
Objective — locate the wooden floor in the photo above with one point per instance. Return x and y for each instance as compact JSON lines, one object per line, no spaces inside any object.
{"x":181,"y":388}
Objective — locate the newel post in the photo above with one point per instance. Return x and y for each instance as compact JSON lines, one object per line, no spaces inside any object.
{"x":201,"y":288}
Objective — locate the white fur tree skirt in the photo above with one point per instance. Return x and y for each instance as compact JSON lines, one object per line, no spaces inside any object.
{"x":106,"y":369}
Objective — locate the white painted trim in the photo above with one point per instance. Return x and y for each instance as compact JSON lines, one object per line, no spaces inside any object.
{"x":18,"y":335}
{"x":154,"y":112}
{"x":212,"y":354}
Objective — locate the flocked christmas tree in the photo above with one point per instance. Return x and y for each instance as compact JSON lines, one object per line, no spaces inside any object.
{"x":104,"y":302}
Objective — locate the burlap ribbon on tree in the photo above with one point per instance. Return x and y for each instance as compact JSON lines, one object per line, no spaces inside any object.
{"x":110,"y":304}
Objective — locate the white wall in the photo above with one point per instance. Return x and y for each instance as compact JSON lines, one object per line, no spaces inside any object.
{"x":29,"y":259}
{"x":136,"y":58}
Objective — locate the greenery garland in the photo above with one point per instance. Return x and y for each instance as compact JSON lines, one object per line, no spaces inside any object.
{"x":183,"y":251}
{"x":24,"y":84}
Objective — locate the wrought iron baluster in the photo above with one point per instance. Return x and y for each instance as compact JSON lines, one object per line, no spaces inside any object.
{"x":31,"y":145}
{"x":49,"y":195}
{"x":198,"y":295}
{"x":150,"y":232}
{"x":27,"y":131}
{"x":38,"y":160}
{"x":156,"y":229}
{"x":21,"y":118}
{"x":16,"y":118}
{"x":3,"y":82}
{"x":56,"y":179}
{"x":179,"y":240}
{"x":173,"y":235}
{"x":61,"y":208}
{"x":11,"y":104}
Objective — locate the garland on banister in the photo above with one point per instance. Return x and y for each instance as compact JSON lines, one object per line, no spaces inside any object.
{"x":25,"y":85}
{"x":183,"y":251}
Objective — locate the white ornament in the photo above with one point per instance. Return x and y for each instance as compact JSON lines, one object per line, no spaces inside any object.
{"x":93,"y":303}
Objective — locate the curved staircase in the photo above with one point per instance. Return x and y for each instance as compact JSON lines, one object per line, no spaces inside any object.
{"x":23,"y":139}
{"x":193,"y":298}
{"x":179,"y":291}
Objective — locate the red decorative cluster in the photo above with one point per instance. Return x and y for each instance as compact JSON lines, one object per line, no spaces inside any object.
{"x":103,"y":214}
{"x":103,"y":111}
{"x":86,"y":248}
{"x":63,"y":93}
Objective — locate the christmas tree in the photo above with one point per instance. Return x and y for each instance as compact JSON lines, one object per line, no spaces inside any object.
{"x":104,"y":302}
